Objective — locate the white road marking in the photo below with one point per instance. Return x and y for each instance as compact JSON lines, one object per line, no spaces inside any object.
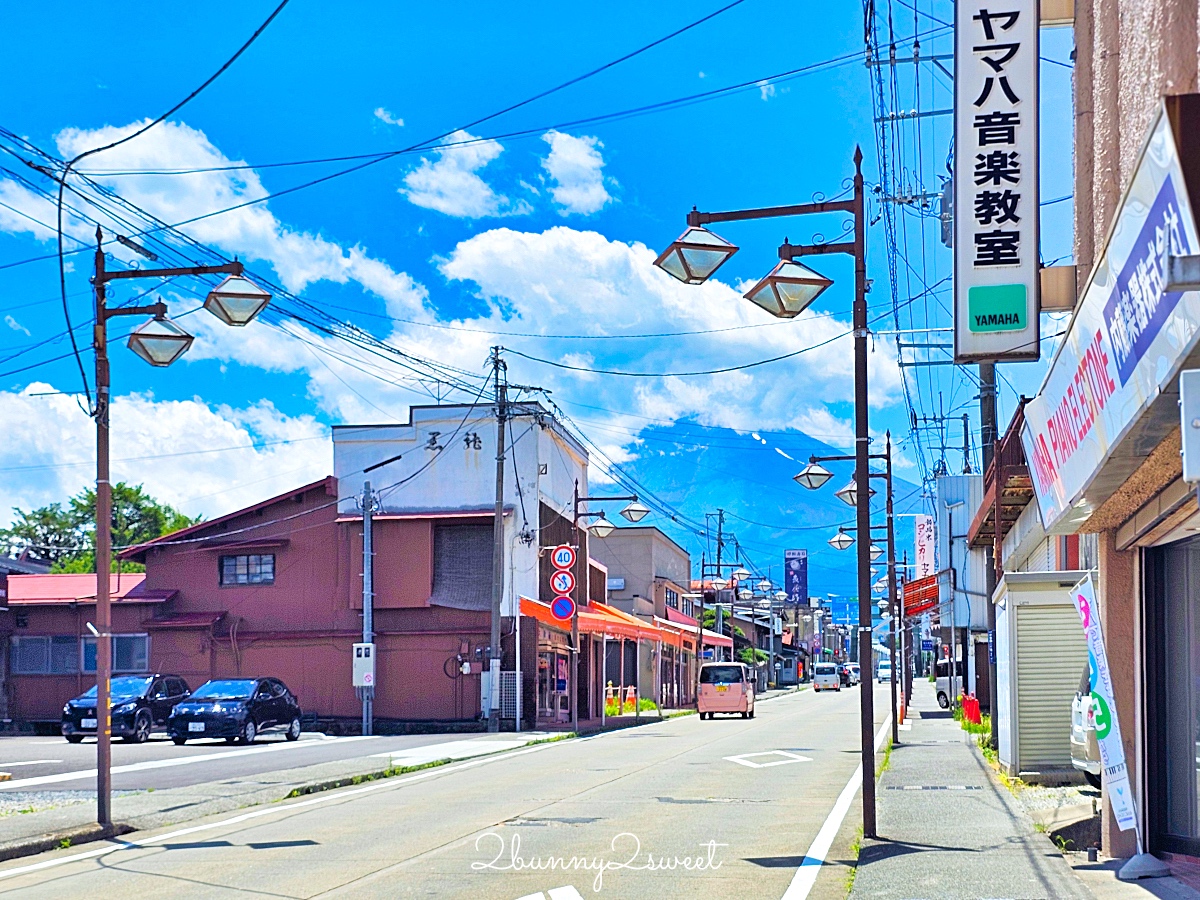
{"x":414,"y":756}
{"x":161,"y":763}
{"x":744,"y":759}
{"x":31,"y":762}
{"x":286,"y":809}
{"x":806,"y":876}
{"x":567,"y":892}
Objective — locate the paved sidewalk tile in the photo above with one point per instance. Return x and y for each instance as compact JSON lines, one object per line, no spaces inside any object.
{"x":948,"y":831}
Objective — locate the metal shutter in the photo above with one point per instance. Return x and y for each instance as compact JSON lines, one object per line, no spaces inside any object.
{"x":1051,"y":652}
{"x":462,"y":566}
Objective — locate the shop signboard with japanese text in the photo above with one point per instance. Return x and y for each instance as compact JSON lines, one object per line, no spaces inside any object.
{"x":1126,"y":343}
{"x":795,"y":576}
{"x":996,"y":258}
{"x":926,"y":549}
{"x":1102,"y":714}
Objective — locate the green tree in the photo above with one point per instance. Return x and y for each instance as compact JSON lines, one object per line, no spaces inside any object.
{"x":710,"y":622}
{"x":67,"y":537}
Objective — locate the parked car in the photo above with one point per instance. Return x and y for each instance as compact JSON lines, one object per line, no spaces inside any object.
{"x":725,"y":688}
{"x":942,"y":682}
{"x":843,"y":670}
{"x":140,"y":706}
{"x":237,"y":709}
{"x":1085,"y":748}
{"x":825,"y":677}
{"x":883,"y":671}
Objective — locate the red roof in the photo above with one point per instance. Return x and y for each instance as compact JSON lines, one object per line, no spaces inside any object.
{"x":27,"y":590}
{"x":328,"y":482}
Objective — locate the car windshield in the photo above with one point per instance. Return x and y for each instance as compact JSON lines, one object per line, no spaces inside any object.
{"x":721,"y":675}
{"x":224,"y":690}
{"x":124,"y":687}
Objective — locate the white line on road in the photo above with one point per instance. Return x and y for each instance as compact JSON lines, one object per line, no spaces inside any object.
{"x":744,"y":759}
{"x":164,"y":763}
{"x":273,"y":809}
{"x":806,"y":875}
{"x":31,"y":762}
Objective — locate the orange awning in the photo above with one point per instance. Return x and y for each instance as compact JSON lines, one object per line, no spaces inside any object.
{"x":598,"y":618}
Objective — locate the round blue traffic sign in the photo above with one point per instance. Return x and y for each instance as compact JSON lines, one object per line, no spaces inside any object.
{"x":562,"y":608}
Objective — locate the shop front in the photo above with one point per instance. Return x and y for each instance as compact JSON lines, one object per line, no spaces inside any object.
{"x":553,"y":675}
{"x":1102,"y":438}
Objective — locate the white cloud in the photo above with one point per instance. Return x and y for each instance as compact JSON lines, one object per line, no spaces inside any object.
{"x":575,"y":165}
{"x":384,"y":116}
{"x":16,"y":326}
{"x":300,"y":258}
{"x":766,"y":89}
{"x":205,"y":460}
{"x":450,"y":183}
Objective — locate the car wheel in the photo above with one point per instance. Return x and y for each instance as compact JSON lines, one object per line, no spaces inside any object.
{"x":943,"y":700}
{"x":179,"y":740}
{"x":752,"y":712}
{"x":745,"y":715}
{"x":74,"y":738}
{"x":141,"y":728}
{"x":249,"y":732}
{"x":293,"y":732}
{"x":1093,"y":780}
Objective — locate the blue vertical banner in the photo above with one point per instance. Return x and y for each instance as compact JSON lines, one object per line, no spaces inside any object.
{"x":795,"y":576}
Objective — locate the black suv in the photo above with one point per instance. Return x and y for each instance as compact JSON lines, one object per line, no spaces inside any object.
{"x":237,"y":709}
{"x":140,"y":705}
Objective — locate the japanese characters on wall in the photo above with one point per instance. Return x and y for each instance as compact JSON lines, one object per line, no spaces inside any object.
{"x":996,"y":259}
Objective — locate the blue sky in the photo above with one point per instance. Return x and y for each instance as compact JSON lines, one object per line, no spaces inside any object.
{"x":541,"y":235}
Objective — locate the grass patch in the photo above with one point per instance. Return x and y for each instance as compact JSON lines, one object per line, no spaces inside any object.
{"x":855,"y":850}
{"x":679,"y":712}
{"x":886,"y":762}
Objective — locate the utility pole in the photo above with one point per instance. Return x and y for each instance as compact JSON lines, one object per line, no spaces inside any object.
{"x":720,"y":624}
{"x":367,"y":692}
{"x":966,"y":420}
{"x":893,"y":600}
{"x":988,"y":440}
{"x":501,"y":391}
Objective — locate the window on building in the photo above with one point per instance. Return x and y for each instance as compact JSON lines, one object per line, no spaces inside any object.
{"x":130,"y":653}
{"x":251,"y":568}
{"x":462,"y":566}
{"x":672,"y":598}
{"x":45,"y":655}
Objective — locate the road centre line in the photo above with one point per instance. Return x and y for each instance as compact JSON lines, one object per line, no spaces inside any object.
{"x":30,"y":762}
{"x":162,"y":763}
{"x":272,"y":809}
{"x":806,"y":876}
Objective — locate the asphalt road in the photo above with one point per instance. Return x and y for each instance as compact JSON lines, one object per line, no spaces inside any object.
{"x":629,"y":806}
{"x":47,"y":764}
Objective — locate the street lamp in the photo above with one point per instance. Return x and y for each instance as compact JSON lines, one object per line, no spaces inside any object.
{"x":813,"y":476}
{"x":788,"y":290}
{"x":236,"y":300}
{"x":739,"y":574}
{"x":842,"y":540}
{"x":849,"y":494}
{"x":634,"y":511}
{"x":745,"y":594}
{"x":695,"y":255}
{"x":159,"y":342}
{"x":784,"y":293}
{"x":876,"y":551}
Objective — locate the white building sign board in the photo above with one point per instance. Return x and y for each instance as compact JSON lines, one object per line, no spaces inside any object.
{"x":926,"y":551}
{"x":996,"y":260}
{"x":1127,"y":340}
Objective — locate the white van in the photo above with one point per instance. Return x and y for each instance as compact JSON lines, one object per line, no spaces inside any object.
{"x":883,"y":671}
{"x":943,"y":682}
{"x":825,"y":677}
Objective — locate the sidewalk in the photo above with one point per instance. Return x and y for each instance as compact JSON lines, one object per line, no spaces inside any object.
{"x":949,"y":830}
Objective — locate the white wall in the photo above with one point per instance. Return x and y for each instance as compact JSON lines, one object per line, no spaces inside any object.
{"x":958,"y":499}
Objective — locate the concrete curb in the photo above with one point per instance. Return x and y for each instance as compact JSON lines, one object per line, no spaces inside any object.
{"x":69,"y":838}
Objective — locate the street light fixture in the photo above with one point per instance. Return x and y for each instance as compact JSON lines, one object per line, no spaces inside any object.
{"x":781,"y":596}
{"x":745,"y":594}
{"x":601,"y":528}
{"x":813,"y":476}
{"x":849,"y":494}
{"x":634,"y":512}
{"x":842,"y":540}
{"x":236,"y":300}
{"x":788,"y":290}
{"x":876,"y":551}
{"x":740,"y":575}
{"x":763,"y":586}
{"x":695,"y":255}
{"x":159,"y":341}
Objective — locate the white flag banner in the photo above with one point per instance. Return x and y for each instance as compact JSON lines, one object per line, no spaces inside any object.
{"x":1104,"y":708}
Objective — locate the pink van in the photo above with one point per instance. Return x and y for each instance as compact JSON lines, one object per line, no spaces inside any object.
{"x":725,"y":688}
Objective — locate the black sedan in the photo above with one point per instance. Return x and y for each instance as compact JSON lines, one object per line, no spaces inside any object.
{"x":140,"y":705}
{"x":236,"y":709}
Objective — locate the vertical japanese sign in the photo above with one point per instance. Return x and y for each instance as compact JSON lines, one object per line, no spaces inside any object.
{"x":996,"y":260}
{"x":795,"y":576}
{"x":1103,"y":712}
{"x":926,"y":555}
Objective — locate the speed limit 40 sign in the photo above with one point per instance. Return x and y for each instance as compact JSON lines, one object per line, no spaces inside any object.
{"x":563,"y":556}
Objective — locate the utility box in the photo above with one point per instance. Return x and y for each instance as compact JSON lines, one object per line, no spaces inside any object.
{"x":1189,"y":421}
{"x":364,"y":665}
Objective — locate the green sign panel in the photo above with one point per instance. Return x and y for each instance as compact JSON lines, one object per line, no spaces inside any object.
{"x":998,"y":307}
